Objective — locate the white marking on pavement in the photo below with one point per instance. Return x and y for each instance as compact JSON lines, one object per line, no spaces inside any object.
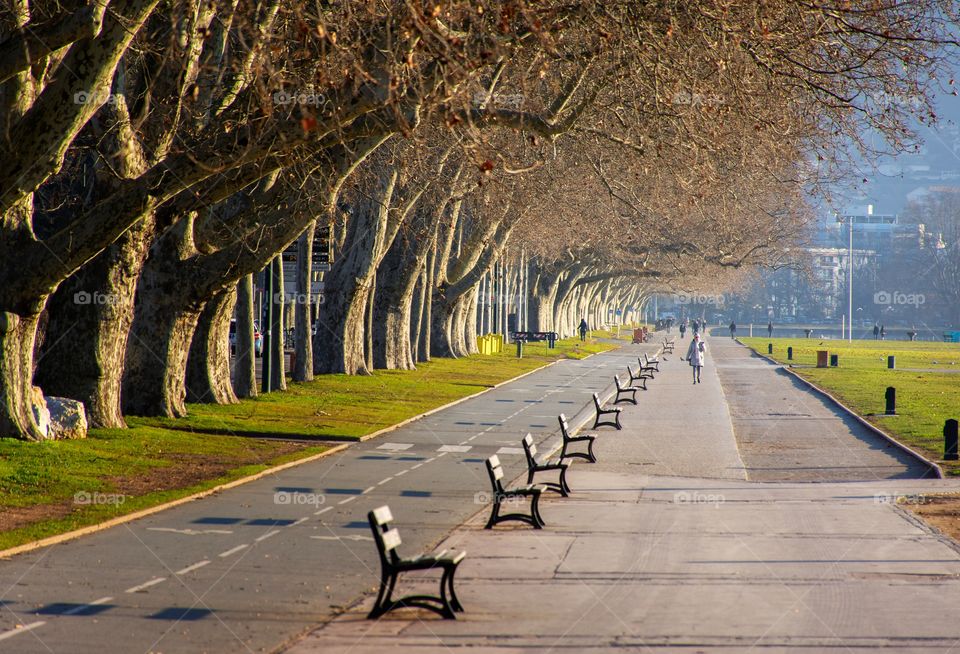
{"x":402,"y":472}
{"x":298,"y":522}
{"x":191,"y":532}
{"x":232,"y":550}
{"x":191,"y":568}
{"x":22,"y":630}
{"x":383,"y":481}
{"x":84,"y":607}
{"x":417,"y":466}
{"x":349,"y":499}
{"x":323,"y":510}
{"x":509,"y":450}
{"x":267,"y":535}
{"x":356,"y":537}
{"x":367,"y":490}
{"x":395,"y":447}
{"x":441,"y":454}
{"x":145,"y":585}
{"x":455,"y":448}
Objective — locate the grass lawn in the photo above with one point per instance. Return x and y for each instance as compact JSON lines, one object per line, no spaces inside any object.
{"x":927,"y":380}
{"x":45,"y":487}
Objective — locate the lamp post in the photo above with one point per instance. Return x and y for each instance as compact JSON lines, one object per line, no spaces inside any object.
{"x":849,"y":221}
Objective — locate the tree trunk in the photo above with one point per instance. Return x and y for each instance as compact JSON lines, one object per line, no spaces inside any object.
{"x":208,"y":364}
{"x":303,"y":346}
{"x":90,"y":317}
{"x":426,"y":317}
{"x":245,"y":365}
{"x":278,"y":373}
{"x":18,"y":404}
{"x":416,"y":315}
{"x":397,"y":277}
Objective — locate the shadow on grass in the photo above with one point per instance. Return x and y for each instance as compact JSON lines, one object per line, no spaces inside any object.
{"x":272,"y":435}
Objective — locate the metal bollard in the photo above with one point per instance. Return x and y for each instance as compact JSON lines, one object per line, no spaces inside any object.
{"x":790,"y":354}
{"x":950,"y":440}
{"x":891,"y":396}
{"x":769,"y":348}
{"x":834,"y":360}
{"x":891,"y":362}
{"x":519,"y":349}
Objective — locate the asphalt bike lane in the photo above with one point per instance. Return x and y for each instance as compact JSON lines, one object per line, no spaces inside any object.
{"x":253,"y":567}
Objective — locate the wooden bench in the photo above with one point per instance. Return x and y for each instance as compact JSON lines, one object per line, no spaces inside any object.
{"x":527,"y":337}
{"x":648,"y":366}
{"x":599,"y":421}
{"x":640,"y":376}
{"x":534,"y":466}
{"x":668,"y":346}
{"x":501,"y":494}
{"x":392,"y":565}
{"x":569,"y":440}
{"x":622,"y":392}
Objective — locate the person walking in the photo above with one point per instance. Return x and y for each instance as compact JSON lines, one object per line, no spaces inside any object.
{"x":876,"y":331}
{"x":683,"y":329}
{"x":695,"y":326}
{"x":696,"y":354}
{"x":583,"y":329}
{"x":770,"y":329}
{"x":883,"y":333}
{"x":733,"y":329}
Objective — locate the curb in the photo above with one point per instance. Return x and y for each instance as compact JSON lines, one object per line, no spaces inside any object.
{"x":937,"y":470}
{"x":142,"y":513}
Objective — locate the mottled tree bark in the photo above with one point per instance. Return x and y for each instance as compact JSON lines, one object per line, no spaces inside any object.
{"x":208,"y":364}
{"x":245,"y":365}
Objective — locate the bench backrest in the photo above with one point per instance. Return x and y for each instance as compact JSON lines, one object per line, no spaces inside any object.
{"x":616,"y":380}
{"x":386,"y":537}
{"x":495,"y":470}
{"x":630,"y":372}
{"x":564,"y":427}
{"x":596,"y":400}
{"x":530,"y":450}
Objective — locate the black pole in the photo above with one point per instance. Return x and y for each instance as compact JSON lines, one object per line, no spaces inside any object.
{"x":891,"y":401}
{"x":769,"y":348}
{"x":891,"y":362}
{"x":790,"y":353}
{"x":950,"y":440}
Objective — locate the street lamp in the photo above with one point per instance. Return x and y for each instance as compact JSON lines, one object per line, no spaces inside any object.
{"x":849,"y":221}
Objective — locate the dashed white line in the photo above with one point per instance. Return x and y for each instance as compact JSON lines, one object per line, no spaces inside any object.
{"x":269,"y":534}
{"x":145,"y":585}
{"x":383,"y":481}
{"x":232,"y":550}
{"x":83,"y":607}
{"x":367,"y":490}
{"x":349,"y":499}
{"x":323,"y":510}
{"x":429,"y":460}
{"x":444,"y":449}
{"x":417,"y":466}
{"x":509,"y":450}
{"x":402,"y":472}
{"x":298,"y":522}
{"x":395,"y":447}
{"x":444,"y":453}
{"x":191,"y":568}
{"x":22,"y":630}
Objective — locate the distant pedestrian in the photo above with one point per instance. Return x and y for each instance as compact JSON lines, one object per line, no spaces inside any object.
{"x":883,"y":332}
{"x":696,"y":355}
{"x":695,"y":326}
{"x":876,"y":331}
{"x":770,"y":329}
{"x":733,"y":329}
{"x":583,"y":329}
{"x":683,"y":329}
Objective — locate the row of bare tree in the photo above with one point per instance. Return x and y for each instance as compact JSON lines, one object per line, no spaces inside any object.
{"x":156,"y":154}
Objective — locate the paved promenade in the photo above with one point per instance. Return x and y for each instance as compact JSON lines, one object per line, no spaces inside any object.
{"x":670,"y":544}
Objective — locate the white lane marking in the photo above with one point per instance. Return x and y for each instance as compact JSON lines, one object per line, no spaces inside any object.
{"x":357,"y":537}
{"x":441,"y":454}
{"x":383,"y":481}
{"x":298,"y":522}
{"x":509,"y":450}
{"x":402,"y":472}
{"x":191,"y":532}
{"x":22,"y":630}
{"x":232,"y":550}
{"x":323,"y":510}
{"x":84,"y":607}
{"x":267,"y":535}
{"x":429,"y":460}
{"x":145,"y":585}
{"x":472,"y":437}
{"x":416,"y":466}
{"x":367,"y":490}
{"x":191,"y":568}
{"x":395,"y":447}
{"x":455,"y":448}
{"x":349,"y":499}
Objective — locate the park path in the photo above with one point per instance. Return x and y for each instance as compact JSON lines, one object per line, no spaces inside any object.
{"x":665,"y":546}
{"x":251,"y":568}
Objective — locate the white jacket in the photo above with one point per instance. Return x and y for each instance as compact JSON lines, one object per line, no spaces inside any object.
{"x":697,"y":355}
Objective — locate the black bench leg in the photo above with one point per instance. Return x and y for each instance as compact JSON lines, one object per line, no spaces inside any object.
{"x":384,"y":601}
{"x":494,"y":514}
{"x":564,"y":489}
{"x":447,"y":607}
{"x":538,"y":522}
{"x":618,"y":420}
{"x":454,"y":600}
{"x":593,"y":458}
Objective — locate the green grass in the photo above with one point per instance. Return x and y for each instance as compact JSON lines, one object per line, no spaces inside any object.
{"x":924,"y":399}
{"x":221,"y":443}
